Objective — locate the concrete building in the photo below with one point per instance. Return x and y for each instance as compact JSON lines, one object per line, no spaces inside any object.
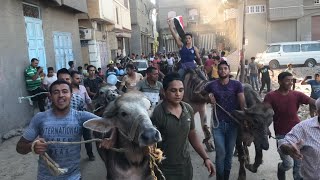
{"x":105,"y":31}
{"x":47,"y":30}
{"x":269,"y":21}
{"x":142,"y":26}
{"x":200,"y":18}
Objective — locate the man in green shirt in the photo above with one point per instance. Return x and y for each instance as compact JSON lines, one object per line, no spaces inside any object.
{"x":174,"y":120}
{"x":33,"y":83}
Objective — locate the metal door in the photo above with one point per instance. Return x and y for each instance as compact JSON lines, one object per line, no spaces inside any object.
{"x":103,"y":53}
{"x":35,"y":41}
{"x":62,"y":49}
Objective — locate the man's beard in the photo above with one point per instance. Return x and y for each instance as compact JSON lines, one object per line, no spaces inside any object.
{"x":223,"y":77}
{"x":77,"y":85}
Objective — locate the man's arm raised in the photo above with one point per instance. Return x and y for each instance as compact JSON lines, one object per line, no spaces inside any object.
{"x":176,"y":37}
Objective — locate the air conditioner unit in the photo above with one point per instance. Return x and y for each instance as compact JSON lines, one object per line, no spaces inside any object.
{"x":85,"y":34}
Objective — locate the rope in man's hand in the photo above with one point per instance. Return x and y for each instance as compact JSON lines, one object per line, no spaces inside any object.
{"x":29,"y":97}
{"x":156,"y":156}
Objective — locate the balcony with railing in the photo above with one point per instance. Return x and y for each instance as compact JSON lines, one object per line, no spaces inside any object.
{"x":285,"y":9}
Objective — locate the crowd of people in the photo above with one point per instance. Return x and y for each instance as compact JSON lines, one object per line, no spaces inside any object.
{"x":71,"y":92}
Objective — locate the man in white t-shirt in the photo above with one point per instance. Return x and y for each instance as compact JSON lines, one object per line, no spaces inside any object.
{"x":170,"y":63}
{"x":50,"y":78}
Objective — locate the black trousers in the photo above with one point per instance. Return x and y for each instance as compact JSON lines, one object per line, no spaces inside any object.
{"x":265,"y":82}
{"x":40,"y":98}
{"x":86,"y":133}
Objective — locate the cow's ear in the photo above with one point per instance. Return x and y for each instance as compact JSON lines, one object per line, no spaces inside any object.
{"x":99,"y":125}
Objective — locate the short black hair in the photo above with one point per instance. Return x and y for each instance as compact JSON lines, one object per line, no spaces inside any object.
{"x":150,"y":69}
{"x":130,"y":66}
{"x":216,"y":57}
{"x":169,"y":78}
{"x":74,"y":72}
{"x":50,"y":69}
{"x":223,"y":63}
{"x":188,"y":34}
{"x":63,"y":71}
{"x":90,"y":66}
{"x":70,"y":63}
{"x":58,"y":82}
{"x":85,"y":64}
{"x":79,"y":68}
{"x":253,"y":58}
{"x":283,"y":75}
{"x":223,"y":53}
{"x":34,"y":59}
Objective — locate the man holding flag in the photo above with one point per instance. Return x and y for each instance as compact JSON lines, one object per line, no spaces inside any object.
{"x":187,"y":51}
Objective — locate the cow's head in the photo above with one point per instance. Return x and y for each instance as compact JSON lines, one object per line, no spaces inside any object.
{"x":129,"y":113}
{"x":104,"y":96}
{"x":255,"y":123}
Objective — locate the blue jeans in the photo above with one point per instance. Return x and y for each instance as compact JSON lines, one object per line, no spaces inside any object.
{"x":225,"y":137}
{"x":254,"y":81}
{"x":181,"y":72}
{"x":288,"y":162}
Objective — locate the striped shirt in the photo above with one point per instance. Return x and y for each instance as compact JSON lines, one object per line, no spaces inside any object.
{"x":309,"y":132}
{"x":29,"y":73}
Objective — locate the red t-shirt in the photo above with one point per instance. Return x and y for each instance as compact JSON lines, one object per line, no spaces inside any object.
{"x":209,"y":62}
{"x":285,"y":109}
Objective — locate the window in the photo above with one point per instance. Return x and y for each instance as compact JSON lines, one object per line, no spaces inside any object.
{"x":317,"y":2}
{"x":31,"y":11}
{"x":291,"y":48}
{"x":255,"y":9}
{"x":274,"y":48}
{"x":99,"y":27}
{"x":172,"y":14}
{"x":117,"y":15}
{"x":310,"y":47}
{"x":193,"y":14}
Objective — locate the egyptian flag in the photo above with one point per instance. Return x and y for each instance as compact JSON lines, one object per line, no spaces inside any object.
{"x":178,"y":23}
{"x":180,"y":20}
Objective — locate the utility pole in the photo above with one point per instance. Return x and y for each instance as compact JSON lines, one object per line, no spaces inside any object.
{"x":242,"y":51}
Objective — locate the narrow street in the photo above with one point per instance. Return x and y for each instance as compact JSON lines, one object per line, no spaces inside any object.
{"x":14,"y":166}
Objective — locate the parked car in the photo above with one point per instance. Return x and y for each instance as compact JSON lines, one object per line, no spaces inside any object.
{"x":297,"y":53}
{"x":141,"y":65}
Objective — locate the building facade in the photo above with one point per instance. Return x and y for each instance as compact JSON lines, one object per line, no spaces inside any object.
{"x":105,"y":31}
{"x":269,"y":21}
{"x":142,"y":27}
{"x":199,"y":18}
{"x":47,"y":30}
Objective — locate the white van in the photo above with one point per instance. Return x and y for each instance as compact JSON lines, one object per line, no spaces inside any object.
{"x":283,"y":53}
